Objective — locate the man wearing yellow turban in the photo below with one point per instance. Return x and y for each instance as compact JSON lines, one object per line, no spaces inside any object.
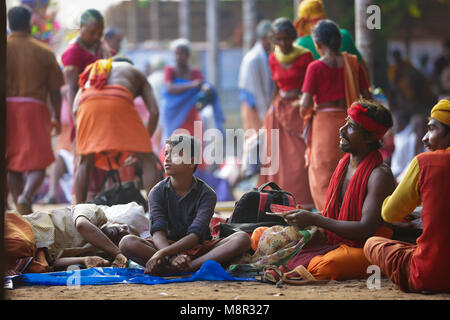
{"x":423,"y":266}
{"x":309,"y":12}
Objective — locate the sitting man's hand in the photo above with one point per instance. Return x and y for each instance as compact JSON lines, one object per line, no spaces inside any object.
{"x":120,"y":261}
{"x":300,"y":218}
{"x":182,"y":262}
{"x":155,"y":263}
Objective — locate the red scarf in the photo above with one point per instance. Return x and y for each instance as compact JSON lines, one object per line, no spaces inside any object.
{"x":351,"y":209}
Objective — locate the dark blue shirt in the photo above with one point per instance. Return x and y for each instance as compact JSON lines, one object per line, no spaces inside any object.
{"x":179,"y":217}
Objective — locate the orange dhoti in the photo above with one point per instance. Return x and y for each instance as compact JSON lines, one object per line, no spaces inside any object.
{"x":344,"y":262}
{"x":292,"y":175}
{"x":324,"y":151}
{"x":28,"y":135}
{"x":108,"y":124}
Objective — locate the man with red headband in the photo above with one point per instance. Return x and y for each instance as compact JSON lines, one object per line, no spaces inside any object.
{"x":423,"y":266}
{"x":355,"y":195}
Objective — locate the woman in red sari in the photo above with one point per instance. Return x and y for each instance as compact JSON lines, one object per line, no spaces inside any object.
{"x":331,"y":85}
{"x":288,"y":66}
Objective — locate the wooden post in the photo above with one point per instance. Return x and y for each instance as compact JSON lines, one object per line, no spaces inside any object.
{"x":363,"y":35}
{"x":184,"y":19}
{"x":154,"y":20}
{"x":212,"y":40}
{"x":248,"y":23}
{"x":2,"y":143}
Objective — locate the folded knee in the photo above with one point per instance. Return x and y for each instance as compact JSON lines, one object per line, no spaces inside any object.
{"x":127,"y":244}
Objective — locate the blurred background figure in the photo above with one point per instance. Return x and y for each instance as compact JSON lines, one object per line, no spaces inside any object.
{"x":408,"y":133}
{"x":255,"y":81}
{"x":441,"y":73}
{"x":113,"y":37}
{"x":44,"y":25}
{"x":409,"y":87}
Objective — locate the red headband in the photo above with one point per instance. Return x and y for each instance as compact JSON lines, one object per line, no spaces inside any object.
{"x":358,"y":114}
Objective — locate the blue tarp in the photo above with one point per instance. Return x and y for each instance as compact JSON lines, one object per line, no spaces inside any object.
{"x":210,"y":271}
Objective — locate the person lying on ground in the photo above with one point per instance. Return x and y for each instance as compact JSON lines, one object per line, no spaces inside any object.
{"x":181,"y":207}
{"x":421,"y":266}
{"x":80,"y":234}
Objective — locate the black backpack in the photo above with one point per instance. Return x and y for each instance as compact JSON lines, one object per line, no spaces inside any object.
{"x":254,"y":204}
{"x":250,"y":211}
{"x":120,"y":193}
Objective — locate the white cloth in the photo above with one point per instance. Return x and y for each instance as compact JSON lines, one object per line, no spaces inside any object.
{"x":255,"y":77}
{"x":405,"y":144}
{"x":131,"y":214}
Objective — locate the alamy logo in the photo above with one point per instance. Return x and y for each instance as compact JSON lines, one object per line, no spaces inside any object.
{"x":74,"y":280}
{"x":215,"y":150}
{"x":374,"y":20}
{"x":374,"y":280}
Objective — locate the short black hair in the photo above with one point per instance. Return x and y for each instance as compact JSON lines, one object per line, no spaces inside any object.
{"x":122,"y":59}
{"x":284,"y":24}
{"x":19,"y":18}
{"x":111,"y":32}
{"x":91,"y":15}
{"x":327,"y":32}
{"x":194,"y":143}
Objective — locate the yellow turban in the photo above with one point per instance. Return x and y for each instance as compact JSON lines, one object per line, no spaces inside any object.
{"x":308,"y":13}
{"x":441,"y":112}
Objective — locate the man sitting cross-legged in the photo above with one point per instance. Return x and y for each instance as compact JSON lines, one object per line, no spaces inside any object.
{"x":355,"y":194}
{"x":422,"y":266}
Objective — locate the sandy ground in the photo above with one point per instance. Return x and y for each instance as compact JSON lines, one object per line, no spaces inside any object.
{"x":217,"y":290}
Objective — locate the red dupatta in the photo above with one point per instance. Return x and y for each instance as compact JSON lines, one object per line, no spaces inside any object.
{"x":351,"y":209}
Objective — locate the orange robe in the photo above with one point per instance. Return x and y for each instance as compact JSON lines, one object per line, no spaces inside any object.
{"x":292,"y":175}
{"x":20,"y":247}
{"x":323,"y":152}
{"x":109,"y":126}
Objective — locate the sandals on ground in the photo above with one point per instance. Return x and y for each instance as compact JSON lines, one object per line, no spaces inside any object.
{"x":301,"y":276}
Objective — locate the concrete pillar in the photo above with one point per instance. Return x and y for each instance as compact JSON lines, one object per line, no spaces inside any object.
{"x":248,"y":23}
{"x":184,"y":19}
{"x":363,"y":35}
{"x":212,"y":39}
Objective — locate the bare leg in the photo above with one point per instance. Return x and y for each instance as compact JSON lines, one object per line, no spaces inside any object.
{"x":82,"y":177}
{"x":15,"y":184}
{"x":58,"y":169}
{"x":136,"y":249}
{"x":150,"y":177}
{"x":225,"y":250}
{"x":32,"y":183}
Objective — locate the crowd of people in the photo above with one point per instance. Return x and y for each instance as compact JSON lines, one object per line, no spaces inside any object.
{"x":354,"y":165}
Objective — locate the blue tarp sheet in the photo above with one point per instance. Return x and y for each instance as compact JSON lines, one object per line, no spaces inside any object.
{"x":210,"y":271}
